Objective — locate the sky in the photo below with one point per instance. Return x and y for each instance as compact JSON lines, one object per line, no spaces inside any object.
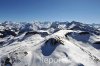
{"x":86,"y":11}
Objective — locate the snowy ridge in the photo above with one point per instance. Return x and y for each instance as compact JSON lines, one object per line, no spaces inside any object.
{"x":49,"y":44}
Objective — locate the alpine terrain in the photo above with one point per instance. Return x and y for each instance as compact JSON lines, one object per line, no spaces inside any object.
{"x":50,"y":44}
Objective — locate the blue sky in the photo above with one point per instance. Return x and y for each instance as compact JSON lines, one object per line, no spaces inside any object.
{"x":87,"y":11}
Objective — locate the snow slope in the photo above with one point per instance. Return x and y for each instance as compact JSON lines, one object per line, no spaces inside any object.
{"x":63,"y":47}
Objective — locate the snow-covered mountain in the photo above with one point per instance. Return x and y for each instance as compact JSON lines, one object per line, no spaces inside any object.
{"x":49,"y":44}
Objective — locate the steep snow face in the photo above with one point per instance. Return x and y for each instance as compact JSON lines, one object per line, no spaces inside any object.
{"x":60,"y":47}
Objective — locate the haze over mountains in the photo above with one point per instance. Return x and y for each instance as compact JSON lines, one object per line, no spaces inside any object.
{"x":30,"y":44}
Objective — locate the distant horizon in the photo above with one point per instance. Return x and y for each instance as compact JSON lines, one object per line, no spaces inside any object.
{"x":85,"y":11}
{"x":44,"y":21}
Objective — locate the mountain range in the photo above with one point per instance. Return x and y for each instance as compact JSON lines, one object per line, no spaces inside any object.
{"x":50,"y":43}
